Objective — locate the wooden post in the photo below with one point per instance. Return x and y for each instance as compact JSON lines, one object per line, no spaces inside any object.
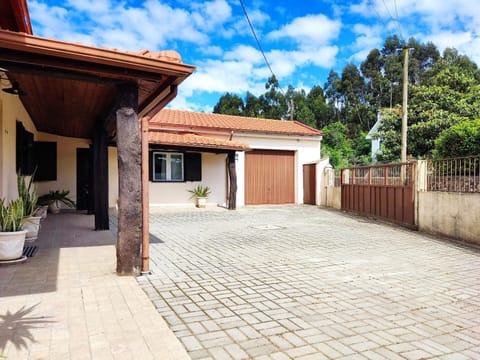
{"x":100,"y":178}
{"x":232,"y":173}
{"x":129,"y":181}
{"x":145,"y":198}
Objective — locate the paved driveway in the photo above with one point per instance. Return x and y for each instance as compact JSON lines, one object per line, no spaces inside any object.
{"x":306,"y":283}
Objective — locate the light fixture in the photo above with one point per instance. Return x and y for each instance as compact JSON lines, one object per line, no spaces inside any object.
{"x":14,"y":90}
{"x":15,"y":87}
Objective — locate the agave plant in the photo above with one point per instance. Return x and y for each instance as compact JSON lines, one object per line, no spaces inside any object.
{"x":56,"y":197}
{"x":11,"y":215}
{"x":28,"y":195}
{"x":200,"y":191}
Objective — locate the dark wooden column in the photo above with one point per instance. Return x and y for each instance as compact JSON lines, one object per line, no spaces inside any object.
{"x":100,"y":178}
{"x":129,"y":182}
{"x":232,"y":174}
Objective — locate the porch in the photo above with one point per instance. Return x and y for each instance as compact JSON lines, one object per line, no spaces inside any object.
{"x":66,"y":302}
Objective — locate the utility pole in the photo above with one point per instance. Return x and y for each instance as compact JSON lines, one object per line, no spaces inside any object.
{"x":291,"y":109}
{"x":403,"y":155}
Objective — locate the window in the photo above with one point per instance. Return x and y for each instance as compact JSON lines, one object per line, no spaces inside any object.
{"x":167,"y":166}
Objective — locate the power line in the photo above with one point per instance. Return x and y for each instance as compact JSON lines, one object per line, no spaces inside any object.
{"x":256,"y":37}
{"x":395,"y":20}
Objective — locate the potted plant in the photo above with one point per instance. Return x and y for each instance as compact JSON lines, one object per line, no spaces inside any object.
{"x":54,"y":198}
{"x":28,"y":195}
{"x":200,"y":193}
{"x":12,"y":237}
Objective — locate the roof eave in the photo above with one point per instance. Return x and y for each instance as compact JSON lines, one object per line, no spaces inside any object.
{"x":60,"y":49}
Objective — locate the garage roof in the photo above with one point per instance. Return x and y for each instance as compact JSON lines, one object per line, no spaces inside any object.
{"x":190,"y":120}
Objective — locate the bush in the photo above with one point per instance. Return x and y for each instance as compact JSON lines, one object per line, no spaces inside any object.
{"x":462,"y":139}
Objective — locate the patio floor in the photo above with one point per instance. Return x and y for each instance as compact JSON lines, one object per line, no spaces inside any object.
{"x":67,"y":303}
{"x":306,"y":283}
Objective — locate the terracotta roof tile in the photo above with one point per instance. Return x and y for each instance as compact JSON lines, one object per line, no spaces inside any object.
{"x":197,"y":120}
{"x":192,"y":140}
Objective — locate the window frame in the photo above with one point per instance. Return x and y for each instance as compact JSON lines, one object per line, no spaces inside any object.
{"x":168,"y":156}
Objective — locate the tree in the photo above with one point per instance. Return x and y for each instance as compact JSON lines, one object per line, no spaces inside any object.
{"x":462,"y":139}
{"x":273,"y":103}
{"x":389,"y":131}
{"x":318,"y":107}
{"x":229,"y":104}
{"x":336,"y":145}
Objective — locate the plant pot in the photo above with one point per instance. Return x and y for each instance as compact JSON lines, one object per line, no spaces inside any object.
{"x":32,"y":225}
{"x":201,"y":202}
{"x":11,"y":244}
{"x":42,"y":212}
{"x":54,"y":208}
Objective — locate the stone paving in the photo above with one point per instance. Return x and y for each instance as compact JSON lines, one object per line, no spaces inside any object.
{"x":66,"y":302}
{"x":298,"y":282}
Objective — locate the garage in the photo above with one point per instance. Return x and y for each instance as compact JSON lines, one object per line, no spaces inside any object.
{"x":269,"y":177}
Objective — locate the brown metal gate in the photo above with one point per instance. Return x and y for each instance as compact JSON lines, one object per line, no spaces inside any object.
{"x":383,"y":191}
{"x":309,"y":182}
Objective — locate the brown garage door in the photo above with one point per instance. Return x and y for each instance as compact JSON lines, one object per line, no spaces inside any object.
{"x":269,"y":177}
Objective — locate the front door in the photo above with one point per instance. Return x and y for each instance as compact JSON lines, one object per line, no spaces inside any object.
{"x":84,"y":179}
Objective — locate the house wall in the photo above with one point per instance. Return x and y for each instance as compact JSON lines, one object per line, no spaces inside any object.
{"x":66,"y":164}
{"x":176,"y":193}
{"x":307,"y":150}
{"x":11,"y":110}
{"x":455,"y":214}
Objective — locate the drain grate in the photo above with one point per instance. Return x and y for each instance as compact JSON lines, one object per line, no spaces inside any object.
{"x":268,"y":227}
{"x":30,"y":251}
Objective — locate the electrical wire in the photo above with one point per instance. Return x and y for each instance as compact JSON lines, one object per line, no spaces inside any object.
{"x":256,"y":38}
{"x":395,"y":20}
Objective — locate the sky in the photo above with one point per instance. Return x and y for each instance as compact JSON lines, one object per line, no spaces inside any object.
{"x":303,"y":39}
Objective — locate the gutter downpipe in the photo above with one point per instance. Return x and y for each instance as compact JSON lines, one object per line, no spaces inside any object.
{"x":145,"y":198}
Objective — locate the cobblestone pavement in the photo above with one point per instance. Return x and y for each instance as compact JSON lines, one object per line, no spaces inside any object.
{"x":306,"y":283}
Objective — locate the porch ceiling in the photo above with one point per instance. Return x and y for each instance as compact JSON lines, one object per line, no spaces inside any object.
{"x":69,"y":88}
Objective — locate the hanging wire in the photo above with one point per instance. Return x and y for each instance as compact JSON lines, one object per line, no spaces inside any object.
{"x":256,"y":37}
{"x":395,"y":20}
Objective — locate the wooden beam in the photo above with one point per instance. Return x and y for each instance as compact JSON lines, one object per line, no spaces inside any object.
{"x":232,"y":174}
{"x":129,"y":182}
{"x":18,"y":60}
{"x":100,"y":178}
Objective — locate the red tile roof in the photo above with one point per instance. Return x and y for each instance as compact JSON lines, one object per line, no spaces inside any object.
{"x":192,"y":140}
{"x":190,"y":120}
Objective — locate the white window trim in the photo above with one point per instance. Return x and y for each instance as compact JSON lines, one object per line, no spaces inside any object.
{"x":169,"y":169}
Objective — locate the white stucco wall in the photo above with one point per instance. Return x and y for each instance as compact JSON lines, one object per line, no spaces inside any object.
{"x":307,"y":150}
{"x":175,"y":194}
{"x":214,"y":173}
{"x":11,"y":110}
{"x":66,"y":164}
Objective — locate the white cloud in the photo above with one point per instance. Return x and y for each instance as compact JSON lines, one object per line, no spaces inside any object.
{"x":367,"y":38}
{"x":452,"y":23}
{"x":244,"y":53}
{"x":309,"y":31}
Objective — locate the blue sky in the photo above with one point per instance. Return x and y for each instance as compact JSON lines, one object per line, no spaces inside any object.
{"x":303,"y":39}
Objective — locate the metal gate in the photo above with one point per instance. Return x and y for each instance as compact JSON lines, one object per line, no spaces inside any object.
{"x":382,"y":191}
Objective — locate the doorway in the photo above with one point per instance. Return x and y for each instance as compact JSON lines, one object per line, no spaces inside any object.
{"x":84,"y":180}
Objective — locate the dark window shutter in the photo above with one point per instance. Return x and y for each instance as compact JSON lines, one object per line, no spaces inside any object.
{"x":150,"y":165}
{"x":192,"y":166}
{"x":46,"y":160}
{"x":24,"y":151}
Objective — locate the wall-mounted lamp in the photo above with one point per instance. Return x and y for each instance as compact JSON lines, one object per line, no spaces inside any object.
{"x":14,"y":89}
